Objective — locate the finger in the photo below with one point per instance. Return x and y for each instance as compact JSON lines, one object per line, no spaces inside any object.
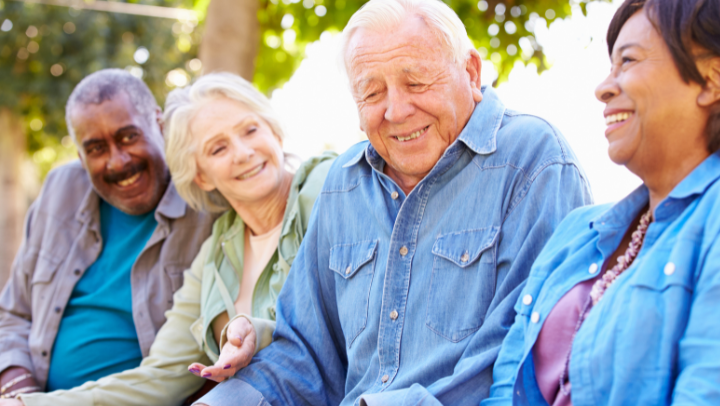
{"x":215,"y":373}
{"x":238,"y":330}
{"x":236,"y":358}
{"x":195,"y":368}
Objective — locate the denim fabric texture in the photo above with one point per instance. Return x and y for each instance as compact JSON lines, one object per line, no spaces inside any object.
{"x":405,"y":300}
{"x":653,"y":339}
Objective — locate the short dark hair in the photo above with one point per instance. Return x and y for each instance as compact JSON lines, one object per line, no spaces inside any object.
{"x":681,"y":23}
{"x":105,"y":84}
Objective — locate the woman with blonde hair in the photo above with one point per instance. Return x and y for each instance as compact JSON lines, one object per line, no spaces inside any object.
{"x":224,"y":151}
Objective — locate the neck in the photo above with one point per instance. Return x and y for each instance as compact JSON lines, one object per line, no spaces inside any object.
{"x":264,"y":215}
{"x":667,"y":176}
{"x":406,"y":182}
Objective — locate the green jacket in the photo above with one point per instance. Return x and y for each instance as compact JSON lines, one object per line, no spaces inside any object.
{"x":162,"y":377}
{"x":224,"y":265}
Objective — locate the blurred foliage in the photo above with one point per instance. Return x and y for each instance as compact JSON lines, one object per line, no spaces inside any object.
{"x":502,"y":30}
{"x":46,"y":50}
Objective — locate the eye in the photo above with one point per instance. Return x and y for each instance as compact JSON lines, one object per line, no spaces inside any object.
{"x":251,"y":130}
{"x":217,"y":150}
{"x":626,"y":59}
{"x":129,"y":137}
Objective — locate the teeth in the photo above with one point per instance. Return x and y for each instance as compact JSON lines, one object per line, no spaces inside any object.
{"x":129,"y":181}
{"x":616,"y":118}
{"x":252,"y":173}
{"x":413,"y":135}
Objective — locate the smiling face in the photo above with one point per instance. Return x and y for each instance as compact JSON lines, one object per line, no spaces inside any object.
{"x":412,"y":98}
{"x":237,"y":153}
{"x":653,"y":117}
{"x":122,"y":153}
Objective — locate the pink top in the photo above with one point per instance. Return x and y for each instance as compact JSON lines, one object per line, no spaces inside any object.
{"x":259,"y":249}
{"x":553,"y":345}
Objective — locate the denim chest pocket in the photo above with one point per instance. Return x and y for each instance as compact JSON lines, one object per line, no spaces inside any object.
{"x":464,"y":271}
{"x":354,"y":267}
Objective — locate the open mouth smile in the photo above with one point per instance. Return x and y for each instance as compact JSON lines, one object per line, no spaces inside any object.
{"x":252,"y":172}
{"x":129,"y":181}
{"x":412,"y":136}
{"x":617,"y":118}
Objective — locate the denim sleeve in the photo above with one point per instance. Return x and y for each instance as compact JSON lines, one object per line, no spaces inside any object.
{"x":697,"y":381}
{"x":537,"y":209}
{"x":303,"y":365}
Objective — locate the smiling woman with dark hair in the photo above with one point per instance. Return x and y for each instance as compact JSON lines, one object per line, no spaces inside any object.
{"x":620,"y":306}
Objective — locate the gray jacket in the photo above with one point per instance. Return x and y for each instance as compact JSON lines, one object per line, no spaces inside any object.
{"x":62,"y":239}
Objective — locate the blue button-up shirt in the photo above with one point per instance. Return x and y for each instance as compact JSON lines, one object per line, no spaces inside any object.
{"x":405,"y":300}
{"x":654,"y":338}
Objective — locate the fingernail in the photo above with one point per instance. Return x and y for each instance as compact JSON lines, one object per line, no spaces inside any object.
{"x":227,"y":366}
{"x":239,"y":338}
{"x":206,"y":375}
{"x":194,"y":370}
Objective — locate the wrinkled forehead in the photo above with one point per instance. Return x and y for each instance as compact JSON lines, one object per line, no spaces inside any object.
{"x":410,"y":45}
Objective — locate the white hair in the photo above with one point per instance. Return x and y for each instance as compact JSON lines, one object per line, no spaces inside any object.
{"x":383,"y":15}
{"x":180,"y":145}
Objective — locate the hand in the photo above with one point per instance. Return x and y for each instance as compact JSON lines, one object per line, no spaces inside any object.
{"x":236,"y":354}
{"x":13,"y":373}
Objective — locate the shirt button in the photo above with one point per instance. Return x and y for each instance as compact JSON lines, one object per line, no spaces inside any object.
{"x":527,"y":300}
{"x":535,"y":317}
{"x":44,"y":353}
{"x":394,"y":314}
{"x":465,"y":257}
{"x":593,"y":268}
{"x":57,"y":309}
{"x":347,"y":271}
{"x":385,"y":378}
{"x":394,"y":195}
{"x":77,"y":272}
{"x":669,"y":269}
{"x":403,"y":250}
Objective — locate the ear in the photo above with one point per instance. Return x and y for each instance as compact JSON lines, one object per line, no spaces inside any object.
{"x":473,"y":67}
{"x":160,"y":121}
{"x":203,"y":182}
{"x":711,"y":92}
{"x":82,"y":160}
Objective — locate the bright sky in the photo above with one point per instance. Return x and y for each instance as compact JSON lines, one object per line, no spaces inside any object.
{"x":319,"y":112}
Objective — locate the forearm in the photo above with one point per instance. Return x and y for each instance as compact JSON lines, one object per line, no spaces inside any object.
{"x":264,"y":330}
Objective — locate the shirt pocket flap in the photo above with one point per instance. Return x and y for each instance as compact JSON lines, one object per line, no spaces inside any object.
{"x":45,"y":268}
{"x":464,"y":247}
{"x":346,"y":259}
{"x":668,"y":267}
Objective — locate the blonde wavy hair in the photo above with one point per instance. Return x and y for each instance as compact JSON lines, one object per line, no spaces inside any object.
{"x":180,"y":144}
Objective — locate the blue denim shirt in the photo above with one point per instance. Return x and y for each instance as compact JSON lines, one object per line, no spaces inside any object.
{"x":405,"y":300}
{"x":654,"y":338}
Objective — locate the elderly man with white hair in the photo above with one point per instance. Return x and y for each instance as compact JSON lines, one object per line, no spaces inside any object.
{"x":421,"y":238}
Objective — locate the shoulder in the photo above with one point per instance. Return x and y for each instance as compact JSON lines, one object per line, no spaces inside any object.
{"x":577,"y":225}
{"x":311,"y":174}
{"x":64,"y":189}
{"x":347,"y":169}
{"x":532,"y":143}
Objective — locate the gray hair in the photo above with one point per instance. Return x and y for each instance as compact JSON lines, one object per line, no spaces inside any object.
{"x":105,"y":84}
{"x":180,"y":145}
{"x":382,"y":15}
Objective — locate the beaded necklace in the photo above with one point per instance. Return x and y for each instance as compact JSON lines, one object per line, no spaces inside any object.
{"x":601,"y":285}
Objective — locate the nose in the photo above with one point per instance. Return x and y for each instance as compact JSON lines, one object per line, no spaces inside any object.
{"x":118,"y":160}
{"x":242,"y":152}
{"x":607,"y":89}
{"x":399,"y":106}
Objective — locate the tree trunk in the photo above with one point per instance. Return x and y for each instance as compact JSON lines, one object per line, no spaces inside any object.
{"x":13,"y":203}
{"x":232,"y":37}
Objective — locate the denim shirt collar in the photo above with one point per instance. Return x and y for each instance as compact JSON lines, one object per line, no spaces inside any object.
{"x":623,"y":213}
{"x":479,"y":134}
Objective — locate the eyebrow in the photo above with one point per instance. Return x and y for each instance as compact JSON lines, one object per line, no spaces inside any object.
{"x":626,"y":46}
{"x":240,"y":124}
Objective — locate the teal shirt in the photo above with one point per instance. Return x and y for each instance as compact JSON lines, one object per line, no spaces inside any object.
{"x":97,"y":335}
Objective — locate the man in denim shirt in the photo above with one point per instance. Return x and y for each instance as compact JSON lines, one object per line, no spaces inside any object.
{"x":421,"y":239}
